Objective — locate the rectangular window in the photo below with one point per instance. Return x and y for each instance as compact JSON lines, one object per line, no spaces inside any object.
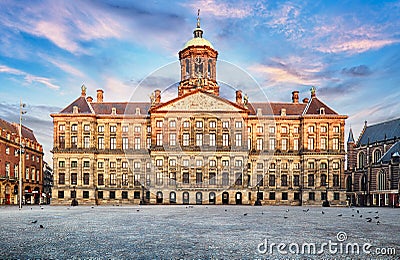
{"x":61,"y":178}
{"x":323,"y":129}
{"x":74,"y":127}
{"x":112,"y":194}
{"x":74,"y":164}
{"x":212,"y":178}
{"x":86,"y":142}
{"x":185,"y":178}
{"x":199,"y":163}
{"x":185,"y":141}
{"x":311,"y":129}
{"x":86,"y":164}
{"x":311,"y":196}
{"x":272,"y":195}
{"x":336,"y":196}
{"x":60,"y":194}
{"x":172,"y":162}
{"x":284,"y":144}
{"x":74,"y":178}
{"x":213,"y":163}
{"x":238,"y":124}
{"x":124,"y":179}
{"x":295,"y":130}
{"x":199,"y":124}
{"x":61,"y":128}
{"x":113,"y":165}
{"x":137,"y":143}
{"x":86,"y":178}
{"x":85,"y":194}
{"x":100,"y":194}
{"x":336,"y":129}
{"x":296,"y":144}
{"x":136,"y":195}
{"x":284,"y":130}
{"x":310,"y":180}
{"x":100,"y":179}
{"x":172,"y":124}
{"x":238,"y":163}
{"x":86,"y":128}
{"x":335,"y":180}
{"x":335,"y":144}
{"x":271,"y":180}
{"x":199,"y":139}
{"x":74,"y":141}
{"x":61,"y":164}
{"x":113,"y":128}
{"x":238,"y":178}
{"x":272,"y":129}
{"x":124,"y":194}
{"x":159,"y":123}
{"x":199,"y":177}
{"x":125,"y":129}
{"x":100,"y":129}
{"x":260,"y":129}
{"x":213,"y":124}
{"x":149,"y":129}
{"x":100,"y":143}
{"x":323,"y":143}
{"x":260,"y":179}
{"x":225,"y":179}
{"x":185,"y":163}
{"x":62,"y":141}
{"x":311,"y":165}
{"x":272,"y":144}
{"x":124,"y":165}
{"x":159,"y":178}
{"x":148,"y":142}
{"x":159,"y":140}
{"x":238,"y":139}
{"x":225,"y":124}
{"x":172,"y":138}
{"x":225,"y":139}
{"x":113,"y":143}
{"x":159,"y":162}
{"x":136,"y":165}
{"x":186,"y":124}
{"x":212,"y":139}
{"x":296,"y":180}
{"x":100,"y":165}
{"x":138,"y":129}
{"x":113,"y":179}
{"x":284,"y":196}
{"x":225,"y":163}
{"x":284,"y":180}
{"x":310,"y":143}
{"x":125,"y":143}
{"x":335,"y":165}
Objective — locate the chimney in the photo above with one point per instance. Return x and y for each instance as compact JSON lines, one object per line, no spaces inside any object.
{"x":100,"y":95}
{"x":89,"y":99}
{"x":157,"y":96}
{"x":295,"y":97}
{"x":305,"y":100}
{"x":239,"y":97}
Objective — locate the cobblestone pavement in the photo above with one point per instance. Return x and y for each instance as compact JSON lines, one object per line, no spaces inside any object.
{"x":194,"y":232}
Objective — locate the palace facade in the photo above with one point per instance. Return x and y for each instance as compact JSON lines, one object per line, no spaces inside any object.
{"x":373,"y":165}
{"x":32,"y":165}
{"x":198,"y":148}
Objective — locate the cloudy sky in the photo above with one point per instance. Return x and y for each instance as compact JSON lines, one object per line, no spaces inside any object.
{"x":349,"y":50}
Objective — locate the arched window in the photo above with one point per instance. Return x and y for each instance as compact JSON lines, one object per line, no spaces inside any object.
{"x":172,"y":197}
{"x":363,"y":183}
{"x":361,"y":160}
{"x":209,"y":69}
{"x":381,"y":180}
{"x":348,"y":183}
{"x":272,"y":166}
{"x":187,"y":68}
{"x":323,"y":179}
{"x":377,"y":155}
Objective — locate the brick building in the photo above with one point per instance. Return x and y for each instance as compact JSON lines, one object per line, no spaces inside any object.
{"x":198,"y":148}
{"x":32,"y":165}
{"x":372,"y":175}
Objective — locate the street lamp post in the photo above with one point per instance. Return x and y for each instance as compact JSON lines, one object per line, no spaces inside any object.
{"x":21,"y":112}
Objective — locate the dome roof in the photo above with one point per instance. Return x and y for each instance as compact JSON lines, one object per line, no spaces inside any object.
{"x":198,"y":42}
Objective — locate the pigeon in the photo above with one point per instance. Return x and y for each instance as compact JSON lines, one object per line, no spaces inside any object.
{"x":360,"y":216}
{"x":92,"y":207}
{"x":287,"y":210}
{"x":376,"y":212}
{"x":137,"y":210}
{"x":245,"y":214}
{"x":369,"y":220}
{"x":285,"y":217}
{"x":323,"y":212}
{"x":306,"y":210}
{"x":34,"y":222}
{"x":376,"y":217}
{"x":41,"y":226}
{"x":226,"y":210}
{"x":352,"y":215}
{"x":378,"y":222}
{"x":339,"y":215}
{"x":358,"y":212}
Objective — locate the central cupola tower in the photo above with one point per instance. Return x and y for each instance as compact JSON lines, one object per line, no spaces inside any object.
{"x":198,"y":61}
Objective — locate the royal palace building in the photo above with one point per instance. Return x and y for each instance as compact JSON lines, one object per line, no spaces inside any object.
{"x":373,"y":172}
{"x":31,"y":165}
{"x":198,"y":148}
